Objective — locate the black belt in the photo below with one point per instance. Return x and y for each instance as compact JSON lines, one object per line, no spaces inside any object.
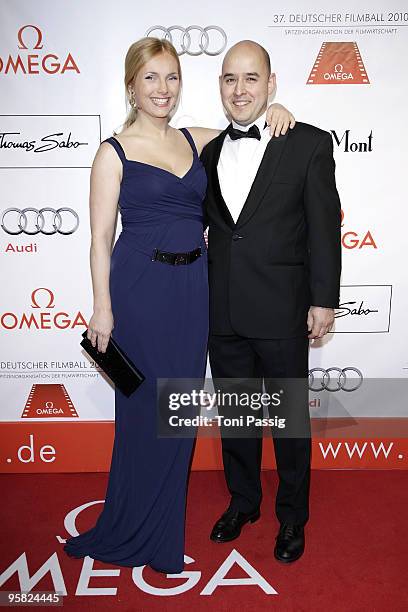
{"x":176,"y":259}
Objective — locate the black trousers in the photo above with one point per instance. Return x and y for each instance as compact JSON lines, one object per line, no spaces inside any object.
{"x":237,"y":357}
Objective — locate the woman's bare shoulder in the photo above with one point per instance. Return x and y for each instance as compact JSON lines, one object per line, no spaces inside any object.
{"x":202,"y":136}
{"x":106,"y":162}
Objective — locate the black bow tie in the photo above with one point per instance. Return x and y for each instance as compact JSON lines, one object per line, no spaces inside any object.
{"x":253,"y":132}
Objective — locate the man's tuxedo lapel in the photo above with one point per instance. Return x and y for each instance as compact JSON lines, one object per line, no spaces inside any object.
{"x":263,"y":177}
{"x":218,"y":198}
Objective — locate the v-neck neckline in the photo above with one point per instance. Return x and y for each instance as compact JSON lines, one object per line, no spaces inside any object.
{"x":135,"y":161}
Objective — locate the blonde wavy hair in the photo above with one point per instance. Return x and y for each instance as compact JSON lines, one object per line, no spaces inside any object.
{"x":139,"y":53}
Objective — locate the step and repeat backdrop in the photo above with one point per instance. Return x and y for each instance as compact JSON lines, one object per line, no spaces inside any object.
{"x":339,"y":66}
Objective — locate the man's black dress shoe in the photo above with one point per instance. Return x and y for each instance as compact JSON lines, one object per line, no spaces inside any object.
{"x":229,"y":526}
{"x":290,"y":543}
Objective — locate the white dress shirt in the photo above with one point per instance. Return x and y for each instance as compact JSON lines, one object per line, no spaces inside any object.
{"x":238,"y":164}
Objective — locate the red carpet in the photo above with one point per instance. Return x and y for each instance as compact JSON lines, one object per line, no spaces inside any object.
{"x":355,"y":560}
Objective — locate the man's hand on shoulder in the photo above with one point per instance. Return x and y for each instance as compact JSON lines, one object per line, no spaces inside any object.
{"x":319,"y":321}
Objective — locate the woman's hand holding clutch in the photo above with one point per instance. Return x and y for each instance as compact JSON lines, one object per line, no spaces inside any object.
{"x":100,"y":328}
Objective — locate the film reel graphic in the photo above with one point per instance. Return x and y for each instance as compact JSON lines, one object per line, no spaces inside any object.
{"x":338,"y":63}
{"x":47,"y":401}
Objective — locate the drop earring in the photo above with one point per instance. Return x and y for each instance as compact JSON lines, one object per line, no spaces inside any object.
{"x":132,"y":98}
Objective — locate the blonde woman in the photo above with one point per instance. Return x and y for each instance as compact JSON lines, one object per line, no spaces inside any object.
{"x":151,"y":293}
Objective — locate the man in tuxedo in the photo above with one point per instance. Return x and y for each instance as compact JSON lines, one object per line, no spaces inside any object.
{"x":274,"y":259}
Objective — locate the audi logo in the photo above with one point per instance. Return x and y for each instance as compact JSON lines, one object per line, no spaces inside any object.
{"x":334,"y":379}
{"x":185,"y":42}
{"x":45,"y":221}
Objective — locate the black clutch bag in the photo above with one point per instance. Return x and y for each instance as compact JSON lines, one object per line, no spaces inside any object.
{"x":116,"y":365}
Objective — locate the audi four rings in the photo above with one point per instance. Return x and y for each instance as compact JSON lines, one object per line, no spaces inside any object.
{"x":340,"y":380}
{"x":185,"y":39}
{"x":35,"y":223}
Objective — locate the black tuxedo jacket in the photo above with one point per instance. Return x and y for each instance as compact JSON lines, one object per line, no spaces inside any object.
{"x":284,"y":254}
